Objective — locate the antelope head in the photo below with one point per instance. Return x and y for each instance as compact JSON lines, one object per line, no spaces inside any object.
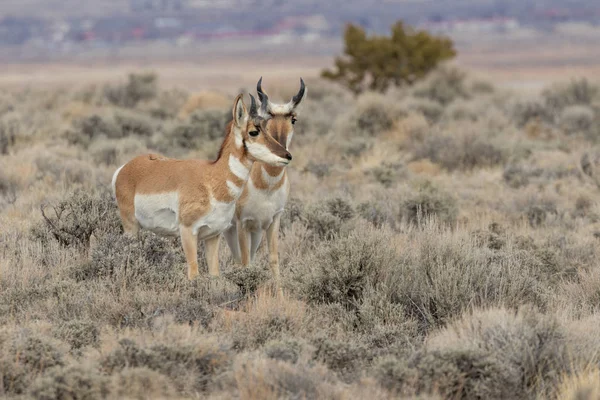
{"x":252,"y":134}
{"x":280,"y":118}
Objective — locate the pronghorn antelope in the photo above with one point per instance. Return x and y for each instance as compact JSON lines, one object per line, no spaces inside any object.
{"x":194,"y":198}
{"x":264,"y":197}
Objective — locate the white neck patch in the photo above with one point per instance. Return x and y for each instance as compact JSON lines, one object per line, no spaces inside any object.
{"x":238,"y":168}
{"x":234,"y":191}
{"x":271,"y":180}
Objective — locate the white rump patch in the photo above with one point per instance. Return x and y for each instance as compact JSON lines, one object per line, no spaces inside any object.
{"x":158,"y":212}
{"x":234,"y":190}
{"x":114,"y":179}
{"x":271,"y":180}
{"x":238,"y":168}
{"x":262,"y":153}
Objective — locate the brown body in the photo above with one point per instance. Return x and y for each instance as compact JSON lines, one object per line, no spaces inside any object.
{"x":194,"y":198}
{"x":265,"y":195}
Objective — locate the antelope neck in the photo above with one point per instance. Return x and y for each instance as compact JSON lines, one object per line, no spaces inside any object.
{"x":235,"y":165}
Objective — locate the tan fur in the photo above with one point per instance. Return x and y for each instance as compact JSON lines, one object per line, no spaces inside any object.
{"x":197,"y":184}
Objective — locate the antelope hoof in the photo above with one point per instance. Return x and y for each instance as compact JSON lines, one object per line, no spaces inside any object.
{"x":192,"y":274}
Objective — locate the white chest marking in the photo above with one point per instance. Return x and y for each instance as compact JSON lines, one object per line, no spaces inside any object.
{"x":158,"y":212}
{"x":238,"y":168}
{"x":271,"y":180}
{"x":262,"y":206}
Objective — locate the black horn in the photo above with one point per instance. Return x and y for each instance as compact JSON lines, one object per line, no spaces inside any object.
{"x":262,"y":96}
{"x":253,"y":109}
{"x":298,"y":97}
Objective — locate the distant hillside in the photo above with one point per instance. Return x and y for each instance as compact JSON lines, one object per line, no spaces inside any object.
{"x":375,"y":14}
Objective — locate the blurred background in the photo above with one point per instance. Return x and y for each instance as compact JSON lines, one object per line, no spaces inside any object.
{"x":228,"y":43}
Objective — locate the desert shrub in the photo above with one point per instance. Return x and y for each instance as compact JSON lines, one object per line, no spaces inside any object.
{"x":371,"y":116}
{"x":294,"y":211}
{"x":387,"y":173}
{"x":431,"y":110}
{"x":117,"y":125}
{"x":266,"y":319}
{"x":191,"y":366}
{"x":73,"y":220}
{"x":525,"y":110}
{"x":461,"y":111}
{"x":141,"y":383}
{"x":464,"y":151}
{"x":66,"y":170}
{"x":166,"y":105}
{"x":104,"y":152}
{"x":443,"y":85}
{"x":319,"y":170}
{"x":73,"y":382}
{"x":538,"y":209}
{"x":383,"y":324}
{"x":580,"y":386}
{"x":443,"y":273}
{"x":78,"y":333}
{"x":429,"y":201}
{"x":248,"y":279}
{"x":578,"y":119}
{"x":9,"y":187}
{"x":377,"y":213}
{"x":139,"y":87}
{"x":9,"y":129}
{"x":327,"y":218}
{"x":347,"y":358}
{"x":132,"y":123}
{"x":88,"y":128}
{"x":354,"y":146}
{"x":372,"y":62}
{"x":492,"y":354}
{"x":340,"y":271}
{"x":589,"y":165}
{"x":456,"y":374}
{"x":529,"y":345}
{"x":150,"y":260}
{"x":202,"y":125}
{"x":25,"y":356}
{"x":112,"y":151}
{"x":518,"y":175}
{"x":287,"y":350}
{"x":577,"y":92}
{"x":274,"y":379}
{"x":326,"y":100}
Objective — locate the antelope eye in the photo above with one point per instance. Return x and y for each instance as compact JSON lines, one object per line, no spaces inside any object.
{"x":293,"y":120}
{"x":253,"y":133}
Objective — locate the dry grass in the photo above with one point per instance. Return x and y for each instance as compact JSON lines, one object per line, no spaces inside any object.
{"x":441,"y":242}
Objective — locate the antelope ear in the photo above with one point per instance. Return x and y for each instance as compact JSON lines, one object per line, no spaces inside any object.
{"x":240,"y":114}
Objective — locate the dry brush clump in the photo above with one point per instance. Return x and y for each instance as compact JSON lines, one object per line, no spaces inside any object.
{"x":441,"y":241}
